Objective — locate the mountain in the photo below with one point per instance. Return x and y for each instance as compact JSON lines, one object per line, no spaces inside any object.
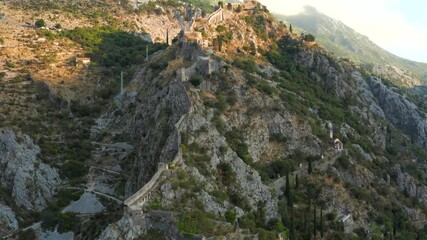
{"x":347,"y":43}
{"x":236,"y":129}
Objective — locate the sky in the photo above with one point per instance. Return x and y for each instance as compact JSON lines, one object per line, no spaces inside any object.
{"x":399,"y":26}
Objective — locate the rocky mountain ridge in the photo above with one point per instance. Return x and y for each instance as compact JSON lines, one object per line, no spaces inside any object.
{"x":252,"y":132}
{"x":347,"y":43}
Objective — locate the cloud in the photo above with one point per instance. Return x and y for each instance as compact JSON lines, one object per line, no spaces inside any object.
{"x":383,"y":23}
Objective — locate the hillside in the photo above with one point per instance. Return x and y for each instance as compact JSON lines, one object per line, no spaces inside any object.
{"x":234,"y":128}
{"x":347,"y":43}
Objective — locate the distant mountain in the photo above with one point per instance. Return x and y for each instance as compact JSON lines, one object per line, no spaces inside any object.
{"x":345,"y":42}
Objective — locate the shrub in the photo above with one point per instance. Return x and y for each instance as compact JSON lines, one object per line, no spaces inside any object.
{"x":248,"y":65}
{"x":49,"y":219}
{"x":230,"y":216}
{"x":74,"y":169}
{"x":112,"y":47}
{"x":227,"y":174}
{"x":40,"y":23}
{"x":196,"y":80}
{"x":220,"y":28}
{"x":197,"y":222}
{"x":66,"y":221}
{"x":309,"y":38}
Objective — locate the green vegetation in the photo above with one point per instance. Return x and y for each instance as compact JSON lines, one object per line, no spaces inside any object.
{"x":198,"y":222}
{"x":258,"y":23}
{"x":196,"y":80}
{"x":40,"y":23}
{"x":236,"y":141}
{"x":205,"y":6}
{"x":153,"y":234}
{"x":308,"y":37}
{"x":230,"y":216}
{"x":111,"y":47}
{"x":73,"y":169}
{"x":49,"y":35}
{"x":52,"y":216}
{"x":345,"y":43}
{"x":248,"y":65}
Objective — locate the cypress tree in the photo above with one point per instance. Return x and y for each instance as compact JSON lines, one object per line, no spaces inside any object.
{"x":305,"y":222}
{"x":296,"y":182}
{"x":321,"y":223}
{"x":394,"y":229}
{"x":290,"y":200}
{"x":292,"y":230}
{"x":308,"y":211}
{"x":167,"y":37}
{"x":310,"y":167}
{"x":290,"y":28}
{"x":287,"y":186}
{"x":220,"y":43}
{"x":314,"y":222}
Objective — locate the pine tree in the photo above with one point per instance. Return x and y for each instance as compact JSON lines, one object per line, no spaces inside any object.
{"x":308,"y":214}
{"x":291,"y":206}
{"x":296,"y":182}
{"x":314,"y":222}
{"x":287,"y":186}
{"x":321,"y":223}
{"x":310,"y":167}
{"x":167,"y":37}
{"x":305,"y":222}
{"x":220,"y":42}
{"x":394,"y":229}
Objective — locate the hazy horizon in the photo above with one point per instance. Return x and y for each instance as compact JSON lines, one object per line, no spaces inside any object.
{"x":399,"y":27}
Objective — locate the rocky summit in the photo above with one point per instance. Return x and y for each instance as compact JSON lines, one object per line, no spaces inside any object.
{"x":183,"y":120}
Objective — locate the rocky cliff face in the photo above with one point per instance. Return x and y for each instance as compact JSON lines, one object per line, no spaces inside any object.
{"x":30,"y":182}
{"x":8,"y":218}
{"x":239,"y":147}
{"x":235,"y":121}
{"x":401,"y":112}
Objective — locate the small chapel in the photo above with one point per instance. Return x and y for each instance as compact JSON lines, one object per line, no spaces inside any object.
{"x":335,"y":142}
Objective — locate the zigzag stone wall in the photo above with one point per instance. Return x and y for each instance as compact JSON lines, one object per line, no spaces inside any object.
{"x":138,"y":199}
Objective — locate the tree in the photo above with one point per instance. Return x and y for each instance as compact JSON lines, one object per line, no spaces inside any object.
{"x":229,"y":7}
{"x":291,"y":29}
{"x":220,"y":39}
{"x":221,"y":4}
{"x":309,"y":38}
{"x":40,"y":23}
{"x":321,"y":223}
{"x":167,"y":37}
{"x":296,"y":182}
{"x":291,"y":206}
{"x":314,"y":222}
{"x":287,"y":186}
{"x":310,"y":167}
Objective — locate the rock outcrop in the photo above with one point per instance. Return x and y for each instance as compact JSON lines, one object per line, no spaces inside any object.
{"x":401,"y":112}
{"x":409,"y":186}
{"x":7,"y":218}
{"x":31,"y":182}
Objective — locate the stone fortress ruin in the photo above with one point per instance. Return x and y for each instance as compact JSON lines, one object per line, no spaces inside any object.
{"x":220,"y":15}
